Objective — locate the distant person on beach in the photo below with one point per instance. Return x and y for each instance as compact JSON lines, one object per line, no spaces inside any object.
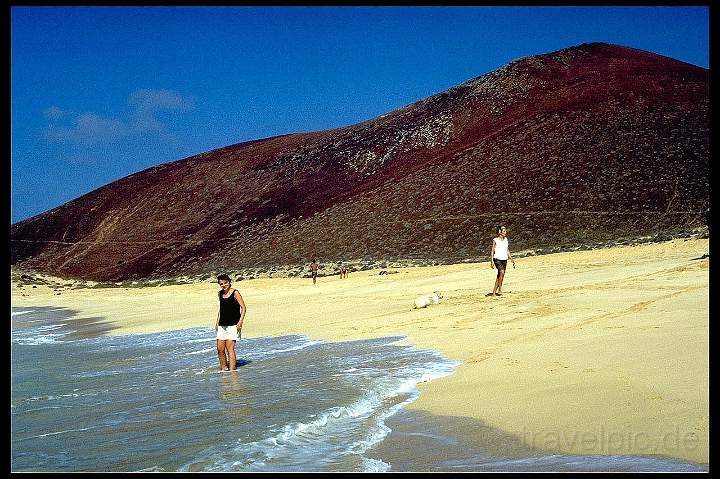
{"x":343,"y":271}
{"x":499,"y":254}
{"x":229,"y":322}
{"x":314,"y":267}
{"x":706,"y":216}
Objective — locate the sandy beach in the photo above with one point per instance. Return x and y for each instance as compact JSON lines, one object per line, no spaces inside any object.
{"x":588,"y":352}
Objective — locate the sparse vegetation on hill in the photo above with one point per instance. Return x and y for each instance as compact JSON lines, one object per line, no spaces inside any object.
{"x":586,"y":146}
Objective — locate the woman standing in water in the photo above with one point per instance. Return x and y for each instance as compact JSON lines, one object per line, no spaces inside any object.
{"x":499,"y":254}
{"x":229,"y":322}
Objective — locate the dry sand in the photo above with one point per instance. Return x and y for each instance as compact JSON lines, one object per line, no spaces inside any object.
{"x":590,"y":352}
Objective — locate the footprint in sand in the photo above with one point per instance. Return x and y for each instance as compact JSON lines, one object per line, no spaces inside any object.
{"x":557,"y":365}
{"x":701,"y":424}
{"x":477,"y":359}
{"x":511,"y":361}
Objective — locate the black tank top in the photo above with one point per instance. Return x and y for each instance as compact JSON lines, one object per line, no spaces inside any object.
{"x":229,"y":310}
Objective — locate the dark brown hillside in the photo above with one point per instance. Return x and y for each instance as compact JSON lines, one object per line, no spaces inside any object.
{"x":582,"y":145}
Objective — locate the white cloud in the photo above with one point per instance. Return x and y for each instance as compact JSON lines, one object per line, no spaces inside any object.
{"x":154,"y":100}
{"x":92,"y":129}
{"x":89,"y":129}
{"x":147,"y":103}
{"x":54,"y":113}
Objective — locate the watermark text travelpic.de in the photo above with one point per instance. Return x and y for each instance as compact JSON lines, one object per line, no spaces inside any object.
{"x":611,"y":442}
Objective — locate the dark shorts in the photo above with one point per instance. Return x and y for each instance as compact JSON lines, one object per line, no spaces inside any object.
{"x":500,"y":264}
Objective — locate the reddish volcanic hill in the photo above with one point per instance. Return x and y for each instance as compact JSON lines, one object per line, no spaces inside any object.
{"x":581,"y":145}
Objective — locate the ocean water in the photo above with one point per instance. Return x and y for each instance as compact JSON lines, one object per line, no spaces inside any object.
{"x":157,"y":402}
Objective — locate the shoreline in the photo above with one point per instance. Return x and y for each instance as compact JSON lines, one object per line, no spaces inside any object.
{"x":331,"y":267}
{"x":464,"y":444}
{"x":571,"y":349}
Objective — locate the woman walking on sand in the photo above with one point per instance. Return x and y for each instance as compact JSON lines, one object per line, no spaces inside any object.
{"x":499,"y":254}
{"x":229,"y":322}
{"x":314,"y":266}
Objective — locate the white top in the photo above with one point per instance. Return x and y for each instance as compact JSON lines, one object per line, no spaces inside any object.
{"x":501,"y":248}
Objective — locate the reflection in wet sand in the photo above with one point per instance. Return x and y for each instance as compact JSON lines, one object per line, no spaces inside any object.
{"x":61,"y":321}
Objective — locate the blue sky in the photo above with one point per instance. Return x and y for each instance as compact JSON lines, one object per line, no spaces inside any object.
{"x":98,"y":93}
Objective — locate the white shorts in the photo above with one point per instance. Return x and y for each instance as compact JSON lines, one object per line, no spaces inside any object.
{"x":227,"y":332}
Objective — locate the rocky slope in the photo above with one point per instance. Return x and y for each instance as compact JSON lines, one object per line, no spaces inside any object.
{"x":583,"y":145}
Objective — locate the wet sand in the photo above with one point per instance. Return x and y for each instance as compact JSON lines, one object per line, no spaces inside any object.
{"x":64,"y":321}
{"x":588,"y":352}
